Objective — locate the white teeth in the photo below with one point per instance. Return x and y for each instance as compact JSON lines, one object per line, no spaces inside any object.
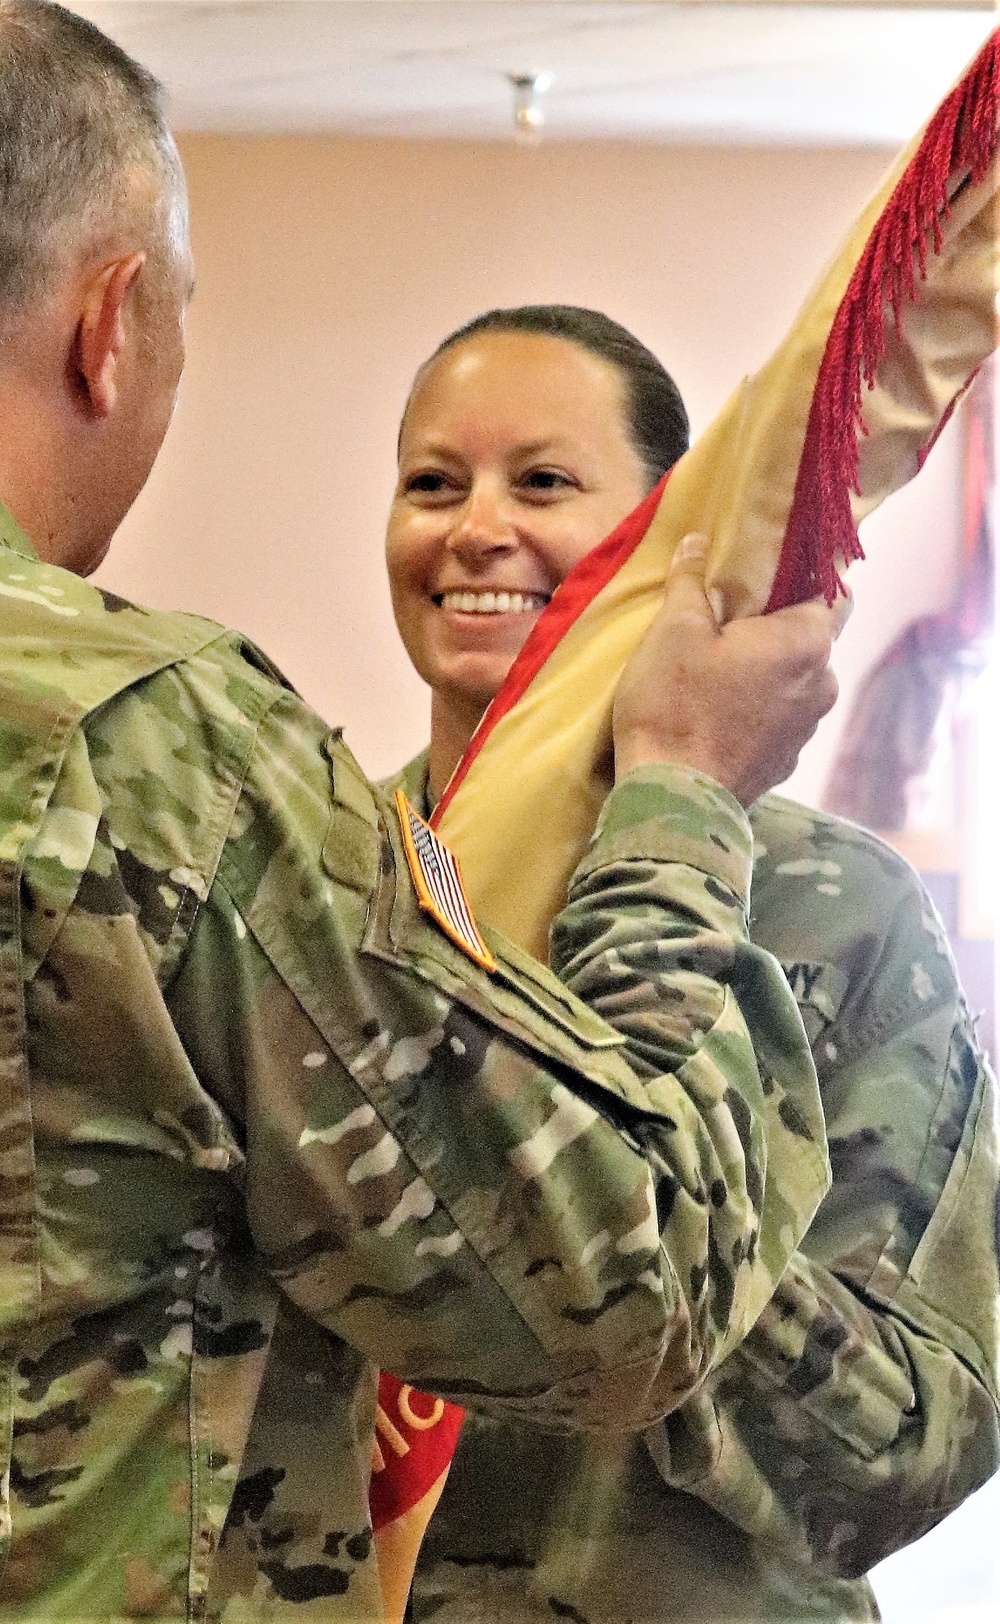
{"x":493,"y":603}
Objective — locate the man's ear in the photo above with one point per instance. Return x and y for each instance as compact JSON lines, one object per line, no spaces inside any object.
{"x":100,"y":333}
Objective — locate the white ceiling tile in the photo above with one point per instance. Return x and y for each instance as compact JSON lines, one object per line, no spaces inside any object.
{"x":744,"y":73}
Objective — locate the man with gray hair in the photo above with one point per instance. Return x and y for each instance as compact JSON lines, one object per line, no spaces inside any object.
{"x":273,"y":1112}
{"x":93,"y":230}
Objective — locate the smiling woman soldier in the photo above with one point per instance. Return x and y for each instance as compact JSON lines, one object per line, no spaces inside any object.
{"x":862,"y":1407}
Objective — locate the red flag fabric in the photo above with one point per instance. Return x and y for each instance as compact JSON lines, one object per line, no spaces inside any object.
{"x":402,"y":1473}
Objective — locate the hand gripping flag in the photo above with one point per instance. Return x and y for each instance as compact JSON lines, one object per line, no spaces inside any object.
{"x":843,"y":414}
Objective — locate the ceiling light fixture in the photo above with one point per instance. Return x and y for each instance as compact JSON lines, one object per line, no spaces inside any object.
{"x":528,"y":114}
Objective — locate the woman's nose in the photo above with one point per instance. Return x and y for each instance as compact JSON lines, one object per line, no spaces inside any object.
{"x":483,"y":525}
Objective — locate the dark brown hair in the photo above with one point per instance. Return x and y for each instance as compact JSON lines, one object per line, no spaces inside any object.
{"x":657,"y":420}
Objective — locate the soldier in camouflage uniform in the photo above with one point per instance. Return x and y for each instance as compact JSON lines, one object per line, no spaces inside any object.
{"x":263,"y":1126}
{"x":862,"y":1406}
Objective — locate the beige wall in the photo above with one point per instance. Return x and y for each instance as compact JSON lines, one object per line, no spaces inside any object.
{"x":326,"y":271}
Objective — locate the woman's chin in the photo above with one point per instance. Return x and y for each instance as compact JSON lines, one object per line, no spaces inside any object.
{"x":468,"y":691}
{"x":471,"y":676}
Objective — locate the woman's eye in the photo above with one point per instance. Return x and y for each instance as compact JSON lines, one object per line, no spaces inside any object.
{"x":431,"y":488}
{"x":546,"y":479}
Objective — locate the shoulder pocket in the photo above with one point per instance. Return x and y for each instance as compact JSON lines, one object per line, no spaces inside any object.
{"x":519,"y":998}
{"x":351,"y":846}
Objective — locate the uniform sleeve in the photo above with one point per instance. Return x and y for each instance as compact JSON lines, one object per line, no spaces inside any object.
{"x":471,"y":1177}
{"x":862,"y":1407}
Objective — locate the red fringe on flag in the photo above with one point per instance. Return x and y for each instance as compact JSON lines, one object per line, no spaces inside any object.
{"x":960,"y":140}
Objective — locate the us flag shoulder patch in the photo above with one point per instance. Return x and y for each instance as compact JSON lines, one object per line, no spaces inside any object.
{"x":438,"y":884}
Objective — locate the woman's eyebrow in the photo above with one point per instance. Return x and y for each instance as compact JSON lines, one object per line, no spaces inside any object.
{"x":533,"y":448}
{"x":436,"y":448}
{"x":527,"y":448}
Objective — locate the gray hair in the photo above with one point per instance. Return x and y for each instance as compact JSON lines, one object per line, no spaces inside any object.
{"x":79,"y":122}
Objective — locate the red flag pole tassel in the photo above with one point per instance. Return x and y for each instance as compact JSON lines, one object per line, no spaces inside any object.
{"x":960,"y":140}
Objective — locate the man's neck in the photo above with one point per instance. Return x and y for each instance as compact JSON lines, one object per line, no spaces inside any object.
{"x":11,"y":534}
{"x":50,"y":510}
{"x":26,"y":491}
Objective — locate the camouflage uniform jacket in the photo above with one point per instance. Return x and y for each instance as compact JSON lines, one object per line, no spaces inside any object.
{"x":862,"y":1407}
{"x":263,"y":1128}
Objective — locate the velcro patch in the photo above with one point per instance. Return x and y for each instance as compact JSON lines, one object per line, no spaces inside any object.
{"x":438,"y":884}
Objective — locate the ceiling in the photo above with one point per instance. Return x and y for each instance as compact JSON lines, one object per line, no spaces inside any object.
{"x":692,"y":72}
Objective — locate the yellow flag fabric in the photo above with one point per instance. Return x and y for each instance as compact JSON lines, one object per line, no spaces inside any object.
{"x":905,"y":312}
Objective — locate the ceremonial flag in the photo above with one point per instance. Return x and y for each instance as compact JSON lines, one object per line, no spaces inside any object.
{"x":844,"y":413}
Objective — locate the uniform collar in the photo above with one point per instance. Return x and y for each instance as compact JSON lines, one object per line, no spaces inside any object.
{"x":12,"y":536}
{"x":414,"y":781}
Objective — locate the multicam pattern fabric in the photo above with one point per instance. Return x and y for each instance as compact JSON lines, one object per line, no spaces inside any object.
{"x":264,"y":1129}
{"x":862,"y":1407}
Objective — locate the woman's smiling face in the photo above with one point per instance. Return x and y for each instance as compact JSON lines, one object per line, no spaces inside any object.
{"x":514,"y":461}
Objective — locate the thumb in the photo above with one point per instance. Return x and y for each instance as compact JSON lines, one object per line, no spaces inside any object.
{"x":685,"y":585}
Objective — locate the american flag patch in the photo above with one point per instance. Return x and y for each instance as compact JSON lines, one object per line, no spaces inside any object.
{"x":438,"y":884}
